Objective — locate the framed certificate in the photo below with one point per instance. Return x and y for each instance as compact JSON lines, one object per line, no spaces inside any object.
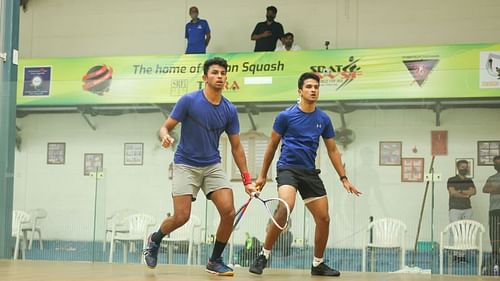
{"x":92,"y":162}
{"x":133,"y":153}
{"x":56,"y":153}
{"x":486,"y":151}
{"x":390,"y":153}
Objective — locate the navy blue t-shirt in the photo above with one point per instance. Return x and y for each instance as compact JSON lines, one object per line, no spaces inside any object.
{"x":202,"y":125}
{"x":195,"y":35}
{"x":267,"y":43}
{"x":300,"y":132}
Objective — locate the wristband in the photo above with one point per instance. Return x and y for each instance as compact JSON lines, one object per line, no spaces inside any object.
{"x":342,"y":178}
{"x":246,"y":178}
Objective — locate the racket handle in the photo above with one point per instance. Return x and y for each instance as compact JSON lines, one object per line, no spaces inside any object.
{"x":257,"y":193}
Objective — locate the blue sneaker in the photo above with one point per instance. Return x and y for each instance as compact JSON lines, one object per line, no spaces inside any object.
{"x":151,"y":253}
{"x":218,"y":267}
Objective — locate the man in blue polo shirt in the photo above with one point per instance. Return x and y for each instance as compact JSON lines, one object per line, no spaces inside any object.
{"x":299,"y":128}
{"x":197,"y":33}
{"x":204,"y":114}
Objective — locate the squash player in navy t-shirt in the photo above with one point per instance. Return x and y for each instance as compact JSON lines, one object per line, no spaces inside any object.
{"x":299,"y":128}
{"x":205,"y":115}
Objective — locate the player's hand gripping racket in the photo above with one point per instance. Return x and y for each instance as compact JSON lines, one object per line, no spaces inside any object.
{"x":241,"y":211}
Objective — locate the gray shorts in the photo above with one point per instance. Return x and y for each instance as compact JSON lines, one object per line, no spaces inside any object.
{"x":190,"y":179}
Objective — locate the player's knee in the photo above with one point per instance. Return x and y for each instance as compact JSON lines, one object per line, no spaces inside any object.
{"x":323,"y":219}
{"x":228,"y":214}
{"x":181,"y":218}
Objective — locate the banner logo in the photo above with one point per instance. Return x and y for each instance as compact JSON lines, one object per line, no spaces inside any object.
{"x":37,"y":81}
{"x":98,"y":79}
{"x":178,"y":87}
{"x":420,"y":69}
{"x":229,"y":86}
{"x":489,"y":70}
{"x":338,"y":75}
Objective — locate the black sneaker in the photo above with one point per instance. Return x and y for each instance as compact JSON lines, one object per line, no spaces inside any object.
{"x":258,"y":265}
{"x":151,"y":253}
{"x":324,"y":270}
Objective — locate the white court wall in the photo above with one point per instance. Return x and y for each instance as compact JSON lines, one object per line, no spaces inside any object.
{"x":69,"y":196}
{"x":71,"y":28}
{"x":62,"y":28}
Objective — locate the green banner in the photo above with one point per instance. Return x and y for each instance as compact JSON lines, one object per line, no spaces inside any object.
{"x":429,"y":72}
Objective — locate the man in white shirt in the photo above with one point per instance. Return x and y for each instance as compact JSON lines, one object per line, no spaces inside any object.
{"x":288,"y":43}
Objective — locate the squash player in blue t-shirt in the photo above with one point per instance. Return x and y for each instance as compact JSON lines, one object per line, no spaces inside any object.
{"x":205,"y":115}
{"x":299,"y":128}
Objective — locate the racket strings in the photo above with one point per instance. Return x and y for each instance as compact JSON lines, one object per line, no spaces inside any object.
{"x":279,"y":212}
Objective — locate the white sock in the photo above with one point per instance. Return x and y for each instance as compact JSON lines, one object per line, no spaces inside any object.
{"x":317,"y":261}
{"x":265,"y":252}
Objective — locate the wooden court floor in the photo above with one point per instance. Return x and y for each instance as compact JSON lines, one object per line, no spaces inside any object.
{"x":58,"y":271}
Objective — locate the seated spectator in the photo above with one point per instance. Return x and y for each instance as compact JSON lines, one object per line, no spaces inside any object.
{"x":288,"y":44}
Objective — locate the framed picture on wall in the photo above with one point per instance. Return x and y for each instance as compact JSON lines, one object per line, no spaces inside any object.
{"x":92,"y":162}
{"x":133,"y":153}
{"x":412,"y":169}
{"x":470,"y":162}
{"x":486,"y":150}
{"x":439,"y":142}
{"x":390,"y":153}
{"x":56,"y":153}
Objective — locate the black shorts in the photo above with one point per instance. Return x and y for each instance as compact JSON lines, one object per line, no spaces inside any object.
{"x":307,"y":182}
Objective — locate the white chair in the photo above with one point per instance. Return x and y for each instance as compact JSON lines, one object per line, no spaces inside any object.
{"x":190,"y":233}
{"x":18,"y":219}
{"x":138,"y":230}
{"x":34,"y":226}
{"x":387,"y":233}
{"x":116,"y":220}
{"x":463,"y":235}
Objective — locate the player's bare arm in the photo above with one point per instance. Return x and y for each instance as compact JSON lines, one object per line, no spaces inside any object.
{"x":168,"y":126}
{"x":240,"y":159}
{"x":274,"y":141}
{"x":334,"y":155}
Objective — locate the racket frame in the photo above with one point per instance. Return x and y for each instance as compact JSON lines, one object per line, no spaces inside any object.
{"x":270,"y":212}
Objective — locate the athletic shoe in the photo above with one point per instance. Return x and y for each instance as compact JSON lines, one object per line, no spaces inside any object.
{"x":218,"y":267}
{"x":258,"y":265}
{"x":151,"y":253}
{"x":324,"y":270}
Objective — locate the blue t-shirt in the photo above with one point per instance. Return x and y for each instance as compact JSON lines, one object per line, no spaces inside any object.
{"x":202,"y":125}
{"x":195,"y":35}
{"x":300,"y":132}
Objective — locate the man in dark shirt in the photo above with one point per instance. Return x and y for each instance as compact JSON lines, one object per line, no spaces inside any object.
{"x":461,"y":189}
{"x":267,"y":33}
{"x":492,"y":187}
